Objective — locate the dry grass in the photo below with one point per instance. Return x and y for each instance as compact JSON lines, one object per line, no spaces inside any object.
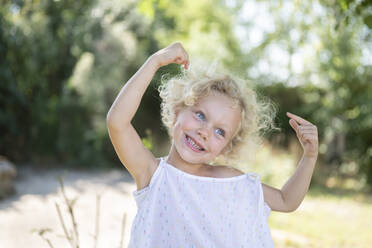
{"x":71,"y":231}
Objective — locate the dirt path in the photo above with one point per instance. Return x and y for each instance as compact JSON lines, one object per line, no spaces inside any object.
{"x":33,"y":207}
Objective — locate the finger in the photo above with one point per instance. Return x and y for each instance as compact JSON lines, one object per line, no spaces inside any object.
{"x":306,"y":131}
{"x":306,"y":134}
{"x":184,"y":63}
{"x":178,"y":60}
{"x":307,"y":128}
{"x":186,"y":58}
{"x":298,"y":119}
{"x":187,"y":62}
{"x":181,"y":62}
{"x":294,"y":125}
{"x":187,"y":65}
{"x":181,"y":59}
{"x":309,"y":137}
{"x":312,"y":133}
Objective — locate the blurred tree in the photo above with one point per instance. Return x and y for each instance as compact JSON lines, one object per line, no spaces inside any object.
{"x":348,"y":10}
{"x":47,"y":115}
{"x":346,"y":101}
{"x":100,"y":73}
{"x":63,"y":63}
{"x":39,"y":45}
{"x":205,"y":28}
{"x":331,"y":70}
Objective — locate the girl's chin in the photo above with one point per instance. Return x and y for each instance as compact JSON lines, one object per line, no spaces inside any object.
{"x":191,"y":158}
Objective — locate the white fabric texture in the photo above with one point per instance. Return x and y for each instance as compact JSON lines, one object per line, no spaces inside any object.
{"x":178,"y":209}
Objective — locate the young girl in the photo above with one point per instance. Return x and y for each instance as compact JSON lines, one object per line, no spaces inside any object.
{"x":185,"y":199}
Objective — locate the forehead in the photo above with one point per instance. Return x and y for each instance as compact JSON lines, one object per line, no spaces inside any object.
{"x":216,"y":100}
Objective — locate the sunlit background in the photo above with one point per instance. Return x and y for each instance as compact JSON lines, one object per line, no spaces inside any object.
{"x":63,"y":62}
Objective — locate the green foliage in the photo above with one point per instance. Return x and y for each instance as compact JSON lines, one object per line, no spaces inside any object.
{"x":206,"y":29}
{"x":345,"y":102}
{"x":37,"y":40}
{"x":331,"y":89}
{"x":347,"y":10}
{"x":44,"y":118}
{"x":147,"y":141}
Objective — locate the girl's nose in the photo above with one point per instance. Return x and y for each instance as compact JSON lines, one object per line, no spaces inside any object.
{"x":203,"y":132}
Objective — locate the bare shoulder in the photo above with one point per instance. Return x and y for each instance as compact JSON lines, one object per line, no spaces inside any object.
{"x":226,"y":171}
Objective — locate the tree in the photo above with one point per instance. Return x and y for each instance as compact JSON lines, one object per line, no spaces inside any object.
{"x":348,"y":10}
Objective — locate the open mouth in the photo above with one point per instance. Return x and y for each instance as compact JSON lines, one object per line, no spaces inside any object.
{"x":190,"y":143}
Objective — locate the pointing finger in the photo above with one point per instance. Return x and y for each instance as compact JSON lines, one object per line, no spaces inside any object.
{"x":298,"y":119}
{"x":293,"y":124}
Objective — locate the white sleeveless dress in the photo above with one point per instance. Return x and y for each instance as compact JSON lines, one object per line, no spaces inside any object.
{"x":178,"y":209}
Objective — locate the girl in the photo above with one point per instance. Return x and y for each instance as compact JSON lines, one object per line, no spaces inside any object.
{"x":184,"y":199}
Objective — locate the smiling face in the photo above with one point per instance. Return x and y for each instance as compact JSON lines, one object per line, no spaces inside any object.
{"x":201,"y":132}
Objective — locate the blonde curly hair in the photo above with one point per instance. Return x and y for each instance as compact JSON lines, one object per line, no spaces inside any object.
{"x":257,"y":116}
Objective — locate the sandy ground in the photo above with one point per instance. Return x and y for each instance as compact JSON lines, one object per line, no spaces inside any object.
{"x":33,"y":207}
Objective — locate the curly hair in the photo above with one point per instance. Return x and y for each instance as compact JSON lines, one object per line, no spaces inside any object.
{"x":257,"y":116}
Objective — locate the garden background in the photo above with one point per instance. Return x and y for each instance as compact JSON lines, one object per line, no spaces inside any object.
{"x":63,"y":62}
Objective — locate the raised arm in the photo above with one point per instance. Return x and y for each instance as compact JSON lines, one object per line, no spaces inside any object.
{"x":138,"y":160}
{"x":126,"y":103}
{"x":293,"y":192}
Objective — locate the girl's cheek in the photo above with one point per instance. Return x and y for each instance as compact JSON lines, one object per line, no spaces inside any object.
{"x":220,"y":145}
{"x":190,"y":122}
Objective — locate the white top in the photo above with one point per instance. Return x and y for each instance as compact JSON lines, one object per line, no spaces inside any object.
{"x":178,"y":209}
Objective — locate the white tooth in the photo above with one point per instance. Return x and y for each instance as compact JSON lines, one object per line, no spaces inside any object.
{"x":193,"y":143}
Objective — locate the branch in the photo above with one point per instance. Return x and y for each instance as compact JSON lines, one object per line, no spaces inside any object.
{"x":71,"y":211}
{"x":64,"y":226}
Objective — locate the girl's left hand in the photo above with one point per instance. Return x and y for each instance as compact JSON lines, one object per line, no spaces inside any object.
{"x":307,"y":134}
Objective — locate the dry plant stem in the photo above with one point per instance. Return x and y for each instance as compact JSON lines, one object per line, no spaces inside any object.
{"x":98,"y":198}
{"x":48,"y":241}
{"x":64,"y":226}
{"x":71,"y":212}
{"x":42,"y":232}
{"x":123,"y":230}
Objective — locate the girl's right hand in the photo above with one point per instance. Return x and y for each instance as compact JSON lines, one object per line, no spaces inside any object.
{"x":174,"y":53}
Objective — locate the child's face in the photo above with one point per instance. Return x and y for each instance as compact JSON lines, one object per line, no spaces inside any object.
{"x":201,"y":132}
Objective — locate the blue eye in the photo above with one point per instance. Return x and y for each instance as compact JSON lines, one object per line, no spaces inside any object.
{"x":200,"y":115}
{"x":220,"y":132}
